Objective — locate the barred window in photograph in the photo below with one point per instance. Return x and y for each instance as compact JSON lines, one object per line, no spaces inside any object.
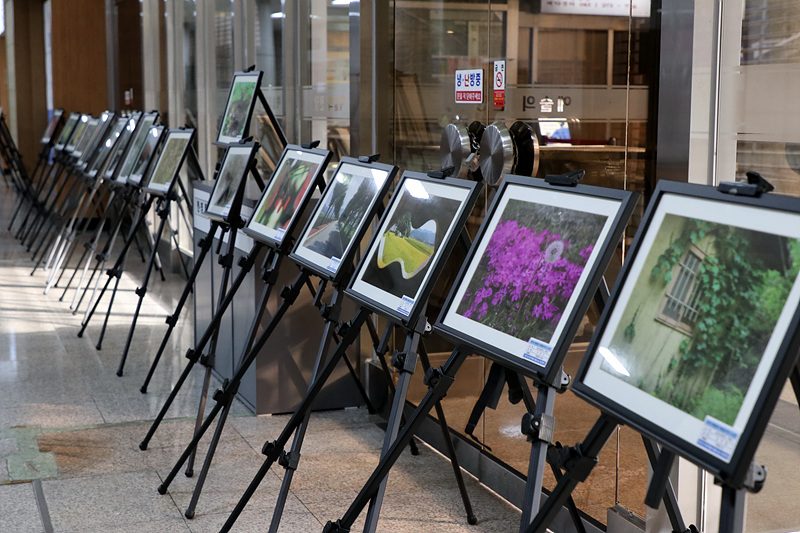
{"x":680,"y":304}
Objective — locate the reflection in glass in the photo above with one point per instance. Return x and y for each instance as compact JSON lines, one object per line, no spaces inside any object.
{"x":770,"y":32}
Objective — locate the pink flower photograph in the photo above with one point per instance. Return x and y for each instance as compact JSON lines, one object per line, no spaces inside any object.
{"x":530,"y":268}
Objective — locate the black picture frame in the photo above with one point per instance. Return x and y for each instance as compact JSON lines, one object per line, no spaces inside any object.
{"x":143,"y":159}
{"x":52,"y":126}
{"x":66,"y":132}
{"x":748,"y":336}
{"x":174,"y":150}
{"x":424,"y":217}
{"x":83,"y":144}
{"x":78,"y":134}
{"x":137,"y":141}
{"x":239,"y":106}
{"x":234,"y":167}
{"x":351,"y":199}
{"x":89,"y":151}
{"x":286,"y":195}
{"x":106,"y":145}
{"x":109,"y":169}
{"x":524,"y":309}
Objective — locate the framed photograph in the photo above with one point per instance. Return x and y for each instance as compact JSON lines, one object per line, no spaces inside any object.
{"x":66,"y":132}
{"x":79,"y":133}
{"x":239,"y":108}
{"x":700,"y":331}
{"x":140,"y":137}
{"x":327,"y":244}
{"x":286,"y":195}
{"x":91,"y":150}
{"x":120,"y":147}
{"x":176,"y":146}
{"x":532,"y":272}
{"x":83,"y":146}
{"x":52,"y":126}
{"x":231,"y":176}
{"x":416,"y":233}
{"x":106,"y":145}
{"x":143,"y":159}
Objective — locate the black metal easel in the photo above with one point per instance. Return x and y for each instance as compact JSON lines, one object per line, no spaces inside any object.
{"x":194,"y":355}
{"x":233,"y":223}
{"x":72,"y":193}
{"x":224,"y":397}
{"x":116,"y":271}
{"x":29,"y":231}
{"x":404,"y":361}
{"x":61,"y":249}
{"x":163,"y":213}
{"x":31,"y":188}
{"x":90,"y":246}
{"x":133,"y":197}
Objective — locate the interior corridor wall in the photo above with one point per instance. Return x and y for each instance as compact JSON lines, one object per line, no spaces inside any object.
{"x":79,"y":55}
{"x":27,"y":110}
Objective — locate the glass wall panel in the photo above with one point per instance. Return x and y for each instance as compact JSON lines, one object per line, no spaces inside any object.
{"x":189,"y":53}
{"x":758,"y":130}
{"x":582,"y":84}
{"x":326,"y":78}
{"x":269,"y":35}
{"x":223,"y":50}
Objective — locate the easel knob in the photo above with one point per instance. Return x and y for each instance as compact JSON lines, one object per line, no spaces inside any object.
{"x":442,"y":173}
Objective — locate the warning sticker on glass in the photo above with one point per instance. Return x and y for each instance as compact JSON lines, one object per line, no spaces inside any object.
{"x":405,"y":305}
{"x":718,"y":438}
{"x":333,"y":266}
{"x":538,"y":352}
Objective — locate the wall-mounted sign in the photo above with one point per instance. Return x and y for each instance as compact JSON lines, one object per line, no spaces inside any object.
{"x":469,"y":86}
{"x":612,"y":8}
{"x":499,"y":83}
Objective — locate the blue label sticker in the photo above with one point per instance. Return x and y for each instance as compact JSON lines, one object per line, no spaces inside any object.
{"x":718,"y":438}
{"x":538,"y":352}
{"x":333,"y":266}
{"x":405,"y":305}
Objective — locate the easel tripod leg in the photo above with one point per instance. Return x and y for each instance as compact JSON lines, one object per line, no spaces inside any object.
{"x":289,"y":295}
{"x":439,"y":382}
{"x":205,"y":246}
{"x":582,"y":459}
{"x":448,"y":442}
{"x":406,"y":366}
{"x":381,"y":347}
{"x":291,"y":459}
{"x":273,"y":450}
{"x":142,"y":291}
{"x":194,"y":354}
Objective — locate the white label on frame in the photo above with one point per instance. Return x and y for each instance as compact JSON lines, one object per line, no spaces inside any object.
{"x":469,"y":86}
{"x":718,"y":438}
{"x":538,"y":352}
{"x":333,"y":266}
{"x":279,"y":234}
{"x":405,"y":305}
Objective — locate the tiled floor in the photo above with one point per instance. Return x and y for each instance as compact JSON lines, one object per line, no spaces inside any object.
{"x":70,"y":429}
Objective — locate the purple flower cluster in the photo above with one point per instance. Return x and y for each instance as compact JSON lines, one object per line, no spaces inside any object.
{"x":524,"y":281}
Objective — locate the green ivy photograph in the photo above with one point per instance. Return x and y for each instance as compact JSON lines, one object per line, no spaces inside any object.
{"x":701,"y":314}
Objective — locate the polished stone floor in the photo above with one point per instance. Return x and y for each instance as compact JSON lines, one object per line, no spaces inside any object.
{"x":70,"y":429}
